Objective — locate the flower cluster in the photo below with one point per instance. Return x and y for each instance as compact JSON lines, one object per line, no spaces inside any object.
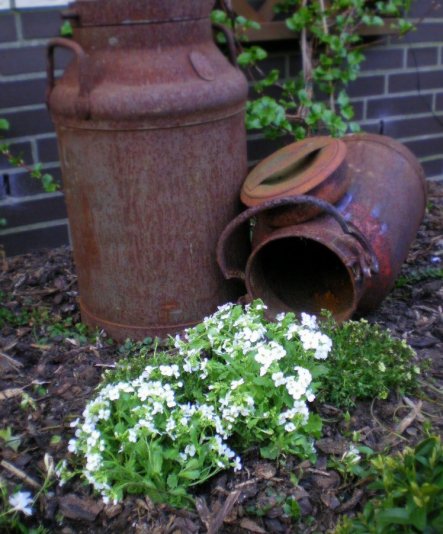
{"x":236,"y":381}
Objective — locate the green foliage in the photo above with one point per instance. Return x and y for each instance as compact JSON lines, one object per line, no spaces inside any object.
{"x":166,"y":420}
{"x":408,"y":493}
{"x":36,"y":172}
{"x":428,"y":273}
{"x":236,"y":381}
{"x":332,"y":51}
{"x":47,"y":327}
{"x":9,"y":440}
{"x":66,"y":29}
{"x":366,"y":363}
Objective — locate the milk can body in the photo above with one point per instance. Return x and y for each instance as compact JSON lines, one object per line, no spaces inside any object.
{"x":149,"y":120}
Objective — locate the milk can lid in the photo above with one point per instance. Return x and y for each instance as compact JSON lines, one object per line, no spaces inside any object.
{"x":112,"y":12}
{"x":294,"y":170}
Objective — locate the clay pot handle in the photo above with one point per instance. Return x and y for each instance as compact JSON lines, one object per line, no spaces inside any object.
{"x":235,"y":267}
{"x":83,"y":107}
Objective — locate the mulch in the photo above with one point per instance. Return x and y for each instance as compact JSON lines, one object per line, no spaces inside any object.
{"x":59,"y":375}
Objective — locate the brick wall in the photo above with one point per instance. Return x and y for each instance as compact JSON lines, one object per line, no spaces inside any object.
{"x":399,"y":93}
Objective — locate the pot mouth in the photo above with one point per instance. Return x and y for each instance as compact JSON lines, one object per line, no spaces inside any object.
{"x":300,"y":274}
{"x":294,"y":170}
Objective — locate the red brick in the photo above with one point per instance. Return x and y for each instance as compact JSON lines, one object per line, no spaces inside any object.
{"x":25,"y":241}
{"x":41,"y":24}
{"x":35,"y":211}
{"x":22,"y":93}
{"x":24,"y":123}
{"x":407,"y":105}
{"x":426,"y":147}
{"x":415,"y":80}
{"x":419,"y":57}
{"x":47,"y":150}
{"x":8,"y":31}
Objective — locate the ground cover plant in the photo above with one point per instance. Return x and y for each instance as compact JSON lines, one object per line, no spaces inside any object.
{"x":408,"y":491}
{"x":163,"y":425}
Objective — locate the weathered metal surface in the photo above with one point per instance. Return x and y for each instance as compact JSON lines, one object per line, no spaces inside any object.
{"x":149,"y":119}
{"x":313,"y":166}
{"x":320,"y":263}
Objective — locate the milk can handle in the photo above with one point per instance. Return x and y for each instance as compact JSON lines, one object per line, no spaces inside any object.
{"x":230,"y":41}
{"x":83,"y":105}
{"x":237,"y":271}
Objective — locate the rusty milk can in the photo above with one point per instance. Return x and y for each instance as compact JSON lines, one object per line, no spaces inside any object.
{"x":308,"y":254}
{"x":150,"y":124}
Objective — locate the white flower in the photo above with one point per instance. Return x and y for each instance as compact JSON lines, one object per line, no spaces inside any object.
{"x":236,"y":383}
{"x":267,"y":354}
{"x":169,"y":370}
{"x":237,"y":464}
{"x":324,"y":347}
{"x":72,"y":445}
{"x":190,"y":450}
{"x":279,"y":379}
{"x":289,"y":427}
{"x":310,"y":397}
{"x":382,"y":367}
{"x":309,"y":321}
{"x":291,"y":331}
{"x":21,"y":502}
{"x":280,"y":317}
{"x":352,"y":455}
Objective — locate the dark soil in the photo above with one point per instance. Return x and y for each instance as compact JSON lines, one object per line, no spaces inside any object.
{"x":59,"y":373}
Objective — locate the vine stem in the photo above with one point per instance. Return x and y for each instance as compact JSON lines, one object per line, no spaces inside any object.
{"x":306,"y":52}
{"x":10,"y":157}
{"x":326,"y":30}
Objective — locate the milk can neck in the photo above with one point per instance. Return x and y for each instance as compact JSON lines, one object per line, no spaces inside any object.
{"x":84,"y":13}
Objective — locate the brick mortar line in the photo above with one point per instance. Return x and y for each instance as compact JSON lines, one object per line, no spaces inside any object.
{"x":29,"y":138}
{"x":435,"y":157}
{"x":24,"y":43}
{"x":36,"y":226}
{"x":11,"y":201}
{"x":27,"y":76}
{"x":392,"y":96}
{"x":20,"y":109}
{"x":398,"y":70}
{"x":403,"y":117}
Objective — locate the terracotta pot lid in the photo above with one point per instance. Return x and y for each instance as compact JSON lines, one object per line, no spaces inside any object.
{"x":294,"y":170}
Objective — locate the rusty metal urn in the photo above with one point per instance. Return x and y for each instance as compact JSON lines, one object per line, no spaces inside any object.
{"x":150,"y":125}
{"x":345,"y":252}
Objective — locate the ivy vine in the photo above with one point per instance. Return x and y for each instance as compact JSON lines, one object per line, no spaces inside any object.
{"x":316,"y":99}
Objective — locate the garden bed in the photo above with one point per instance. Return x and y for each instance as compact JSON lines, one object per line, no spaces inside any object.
{"x":50,"y":366}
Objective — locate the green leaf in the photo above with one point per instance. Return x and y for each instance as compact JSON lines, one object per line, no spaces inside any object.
{"x":218,"y":16}
{"x":270,"y":452}
{"x":192,"y":474}
{"x":4,"y":124}
{"x":172,"y":481}
{"x":398,"y":516}
{"x":11,"y":441}
{"x":66,"y":29}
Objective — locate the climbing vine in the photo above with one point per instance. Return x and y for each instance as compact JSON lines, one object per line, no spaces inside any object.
{"x":316,"y":99}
